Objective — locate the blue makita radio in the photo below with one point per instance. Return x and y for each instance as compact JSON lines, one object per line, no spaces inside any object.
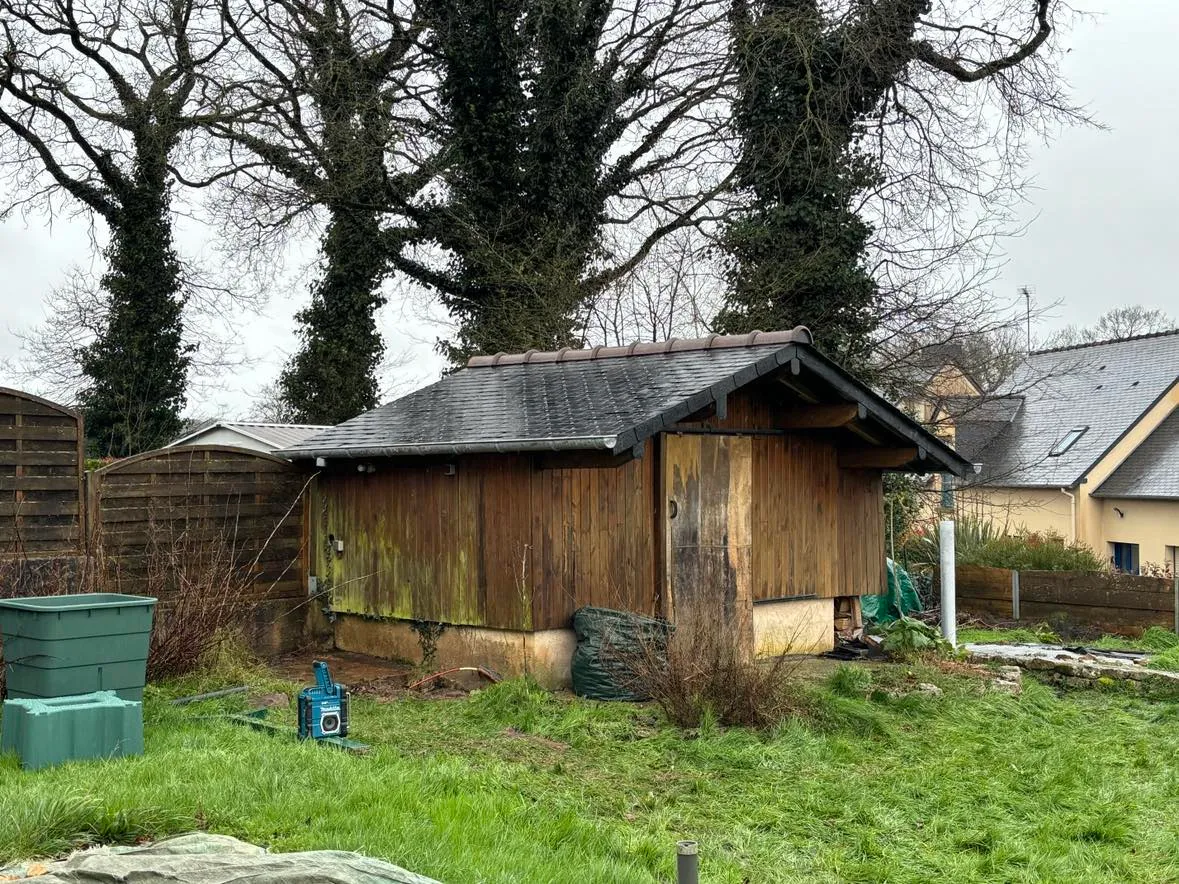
{"x":323,"y":709}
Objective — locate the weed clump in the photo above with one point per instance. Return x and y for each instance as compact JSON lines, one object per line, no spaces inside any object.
{"x":851,"y":681}
{"x":907,"y":638}
{"x":705,"y":672}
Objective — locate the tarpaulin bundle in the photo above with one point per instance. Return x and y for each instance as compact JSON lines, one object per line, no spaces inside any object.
{"x":611,"y":646}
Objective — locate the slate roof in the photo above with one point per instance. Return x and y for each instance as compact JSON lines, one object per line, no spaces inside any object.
{"x":978,"y":422}
{"x":1152,"y":470}
{"x":609,"y":399}
{"x":274,"y":435}
{"x":1105,"y":387}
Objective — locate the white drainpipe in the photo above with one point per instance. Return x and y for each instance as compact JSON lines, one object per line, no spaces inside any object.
{"x":1072,"y":499}
{"x":949,"y":596}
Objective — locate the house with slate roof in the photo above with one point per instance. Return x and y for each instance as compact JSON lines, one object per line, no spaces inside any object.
{"x":739,"y":476}
{"x":1083,"y":441}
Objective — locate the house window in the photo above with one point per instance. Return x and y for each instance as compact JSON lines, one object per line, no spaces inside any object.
{"x":1124,"y":557}
{"x":1069,"y":440}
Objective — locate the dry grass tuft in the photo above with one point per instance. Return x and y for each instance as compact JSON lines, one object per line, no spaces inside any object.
{"x":706,"y":673}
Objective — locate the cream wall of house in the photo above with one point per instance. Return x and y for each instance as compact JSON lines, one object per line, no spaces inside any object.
{"x":948,"y":382}
{"x":1016,"y":510}
{"x":1152,"y":524}
{"x":1090,"y":523}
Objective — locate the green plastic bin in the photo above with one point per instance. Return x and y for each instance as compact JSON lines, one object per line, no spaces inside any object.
{"x":65,"y":645}
{"x":47,"y":732}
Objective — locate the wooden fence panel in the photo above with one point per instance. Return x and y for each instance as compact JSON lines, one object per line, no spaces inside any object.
{"x":1117,"y":603}
{"x":41,"y":448}
{"x":177,"y":511}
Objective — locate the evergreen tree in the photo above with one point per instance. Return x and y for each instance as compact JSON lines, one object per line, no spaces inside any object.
{"x":138,"y":367}
{"x":811,"y":82}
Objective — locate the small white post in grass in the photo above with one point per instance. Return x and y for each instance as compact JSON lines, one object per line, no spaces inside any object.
{"x":949,"y":591}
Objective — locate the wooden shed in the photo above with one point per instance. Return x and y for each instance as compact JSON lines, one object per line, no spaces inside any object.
{"x":471,"y":518}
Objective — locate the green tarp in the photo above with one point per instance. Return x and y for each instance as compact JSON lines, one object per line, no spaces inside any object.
{"x":611,"y":645}
{"x":901,"y":598}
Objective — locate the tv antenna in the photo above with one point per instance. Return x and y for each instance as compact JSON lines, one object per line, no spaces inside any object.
{"x":1027,"y":291}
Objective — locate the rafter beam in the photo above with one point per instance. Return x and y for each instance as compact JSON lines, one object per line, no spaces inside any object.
{"x":877,"y":458}
{"x":798,"y":389}
{"x":820,"y":417}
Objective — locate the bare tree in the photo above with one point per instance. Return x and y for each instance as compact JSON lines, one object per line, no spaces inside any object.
{"x":78,"y":312}
{"x":1115,"y":325}
{"x":673,"y":293}
{"x":96,"y":98}
{"x":326,"y":133}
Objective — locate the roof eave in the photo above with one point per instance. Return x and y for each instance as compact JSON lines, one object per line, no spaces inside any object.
{"x":938,"y":455}
{"x":435,"y":449}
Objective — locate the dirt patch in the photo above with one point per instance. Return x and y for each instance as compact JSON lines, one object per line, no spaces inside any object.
{"x":351,"y":670}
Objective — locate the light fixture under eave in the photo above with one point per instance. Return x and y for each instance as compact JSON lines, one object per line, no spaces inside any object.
{"x":321,"y":462}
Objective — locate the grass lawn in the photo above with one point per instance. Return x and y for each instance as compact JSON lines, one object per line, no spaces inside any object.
{"x":514,"y":784}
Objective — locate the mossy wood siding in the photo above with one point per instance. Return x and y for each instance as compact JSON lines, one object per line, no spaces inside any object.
{"x":508,"y":541}
{"x":817,"y":529}
{"x":515,"y":541}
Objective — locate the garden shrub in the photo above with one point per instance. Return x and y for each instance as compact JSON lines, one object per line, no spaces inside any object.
{"x":978,"y":542}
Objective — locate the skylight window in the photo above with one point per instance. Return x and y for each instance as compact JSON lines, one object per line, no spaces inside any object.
{"x":1069,"y":440}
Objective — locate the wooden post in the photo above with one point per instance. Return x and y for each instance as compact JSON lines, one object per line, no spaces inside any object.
{"x":1014,"y":594}
{"x":1175,"y":596}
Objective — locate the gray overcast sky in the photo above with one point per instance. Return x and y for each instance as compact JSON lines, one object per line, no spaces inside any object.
{"x":1104,"y":226}
{"x":1103,"y":222}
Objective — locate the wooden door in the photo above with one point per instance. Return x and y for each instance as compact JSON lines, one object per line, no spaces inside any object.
{"x":707,"y":484}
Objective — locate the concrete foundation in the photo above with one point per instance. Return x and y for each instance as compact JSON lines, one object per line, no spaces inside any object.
{"x":793,"y":626}
{"x":796,"y":626}
{"x":545,"y":655}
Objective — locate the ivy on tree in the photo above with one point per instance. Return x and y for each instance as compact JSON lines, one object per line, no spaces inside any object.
{"x":138,"y":366}
{"x":551,"y":111}
{"x":811,"y":81}
{"x":96,"y":97}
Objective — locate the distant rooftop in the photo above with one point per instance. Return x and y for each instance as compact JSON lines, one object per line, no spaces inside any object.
{"x":1151,"y":472}
{"x":273,"y":435}
{"x":1084,"y":345}
{"x":1077,"y":401}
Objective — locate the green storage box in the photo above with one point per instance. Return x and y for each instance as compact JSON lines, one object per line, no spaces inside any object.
{"x":66,"y":645}
{"x":48,"y":732}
